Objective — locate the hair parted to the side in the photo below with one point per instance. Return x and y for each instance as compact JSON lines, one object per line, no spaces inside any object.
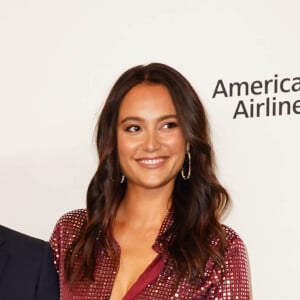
{"x":198,"y":203}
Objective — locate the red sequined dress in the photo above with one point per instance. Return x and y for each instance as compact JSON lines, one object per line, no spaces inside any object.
{"x":159,"y":281}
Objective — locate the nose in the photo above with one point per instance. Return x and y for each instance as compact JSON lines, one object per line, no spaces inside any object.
{"x":151,"y":141}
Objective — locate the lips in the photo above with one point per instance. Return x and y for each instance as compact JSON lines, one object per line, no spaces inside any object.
{"x":152,"y":162}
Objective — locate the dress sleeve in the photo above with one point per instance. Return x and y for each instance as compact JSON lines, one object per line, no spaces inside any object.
{"x":234,"y":282}
{"x":66,"y":230}
{"x":55,"y":243}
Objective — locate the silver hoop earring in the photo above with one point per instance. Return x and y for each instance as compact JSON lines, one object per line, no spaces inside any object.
{"x":188,"y":176}
{"x":122,"y":179}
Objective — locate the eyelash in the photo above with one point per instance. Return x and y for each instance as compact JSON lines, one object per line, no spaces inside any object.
{"x":135,"y":128}
{"x":131,"y":127}
{"x":170,"y":125}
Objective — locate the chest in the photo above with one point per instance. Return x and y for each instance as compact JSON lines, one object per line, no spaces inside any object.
{"x":164,"y":285}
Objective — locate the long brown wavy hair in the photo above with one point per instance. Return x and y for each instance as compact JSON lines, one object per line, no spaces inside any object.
{"x":198,"y":203}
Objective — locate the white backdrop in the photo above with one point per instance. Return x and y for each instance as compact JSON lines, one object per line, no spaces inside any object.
{"x":58,"y":60}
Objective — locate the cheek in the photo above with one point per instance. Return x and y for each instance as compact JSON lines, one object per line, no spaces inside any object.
{"x":122,"y":152}
{"x":121,"y":146}
{"x":125,"y":146}
{"x":177,"y":144}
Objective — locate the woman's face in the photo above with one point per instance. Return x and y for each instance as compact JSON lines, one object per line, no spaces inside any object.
{"x":151,"y":145}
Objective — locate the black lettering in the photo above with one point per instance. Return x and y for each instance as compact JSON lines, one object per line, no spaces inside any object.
{"x":288,"y":105}
{"x":251,"y":108}
{"x":275,"y":83}
{"x":281,"y":85}
{"x":267,"y":82}
{"x":296,"y":85}
{"x":267,"y":106}
{"x":256,"y":85}
{"x":274,"y":107}
{"x":258,"y":106}
{"x":296,"y":107}
{"x":239,"y":86}
{"x":241,"y":110}
{"x":220,"y":89}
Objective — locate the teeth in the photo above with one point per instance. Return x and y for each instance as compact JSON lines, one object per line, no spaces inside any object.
{"x":151,"y":161}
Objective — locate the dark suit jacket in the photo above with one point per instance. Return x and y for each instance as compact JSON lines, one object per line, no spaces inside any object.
{"x":27,"y":271}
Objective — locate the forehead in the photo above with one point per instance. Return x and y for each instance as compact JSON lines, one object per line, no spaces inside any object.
{"x":148,"y":101}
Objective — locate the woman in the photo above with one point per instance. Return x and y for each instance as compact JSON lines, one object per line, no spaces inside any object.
{"x":151,"y":229}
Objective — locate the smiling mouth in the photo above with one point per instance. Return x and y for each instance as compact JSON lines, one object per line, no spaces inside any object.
{"x":152,"y":163}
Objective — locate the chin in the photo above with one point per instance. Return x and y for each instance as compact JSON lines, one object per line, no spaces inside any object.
{"x":152,"y":184}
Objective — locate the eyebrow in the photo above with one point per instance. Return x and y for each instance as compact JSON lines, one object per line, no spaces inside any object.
{"x":133,"y":118}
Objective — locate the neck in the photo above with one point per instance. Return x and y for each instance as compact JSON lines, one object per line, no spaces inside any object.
{"x":144,"y":207}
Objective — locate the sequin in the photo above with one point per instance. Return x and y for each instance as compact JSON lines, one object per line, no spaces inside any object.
{"x":212,"y":286}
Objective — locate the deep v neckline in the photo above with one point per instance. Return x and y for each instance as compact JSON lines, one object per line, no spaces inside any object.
{"x":154,"y":269}
{"x":147,"y":277}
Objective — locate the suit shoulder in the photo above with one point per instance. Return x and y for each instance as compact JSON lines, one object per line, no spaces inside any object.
{"x":19,"y":244}
{"x":11,"y":235}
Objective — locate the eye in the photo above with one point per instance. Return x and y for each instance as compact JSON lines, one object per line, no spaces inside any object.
{"x":133,"y":128}
{"x":170,"y":125}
